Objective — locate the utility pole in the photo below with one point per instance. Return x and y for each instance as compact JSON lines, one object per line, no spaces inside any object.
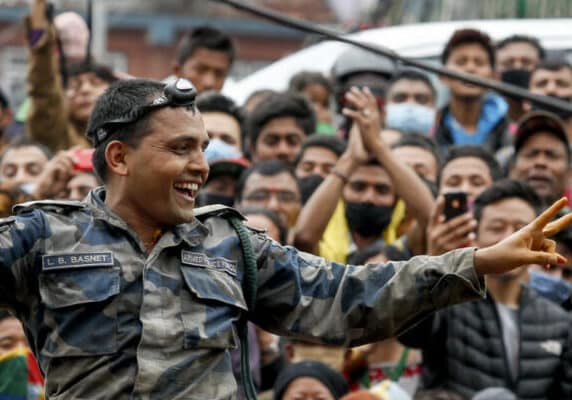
{"x":99,"y":29}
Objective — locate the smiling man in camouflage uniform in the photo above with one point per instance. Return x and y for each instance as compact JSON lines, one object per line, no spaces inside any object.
{"x":132,"y":295}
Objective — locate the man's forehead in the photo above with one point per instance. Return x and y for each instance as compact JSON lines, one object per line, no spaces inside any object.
{"x":24,"y":154}
{"x":179,"y":121}
{"x":282,"y":180}
{"x":510,"y":210}
{"x":370,"y":174}
{"x":466,"y":166}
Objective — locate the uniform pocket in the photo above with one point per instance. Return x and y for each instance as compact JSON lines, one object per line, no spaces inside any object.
{"x":210,"y":308}
{"x":80,"y":312}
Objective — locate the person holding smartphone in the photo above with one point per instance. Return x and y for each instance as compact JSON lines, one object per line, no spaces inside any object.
{"x":467,"y":172}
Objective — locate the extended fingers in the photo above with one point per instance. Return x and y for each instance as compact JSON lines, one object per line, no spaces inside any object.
{"x":554,"y":227}
{"x":543,"y":219}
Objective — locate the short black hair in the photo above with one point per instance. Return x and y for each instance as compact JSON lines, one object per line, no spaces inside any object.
{"x":506,"y":189}
{"x":215,"y":102}
{"x":531,"y":40}
{"x":103,"y":72}
{"x":481,"y":153}
{"x":204,"y":37}
{"x":412,"y":75}
{"x":462,"y":37}
{"x":264,"y":168}
{"x":279,"y":105}
{"x":564,"y":238}
{"x":552,"y":64}
{"x":119,"y":99}
{"x":272,"y":216}
{"x":304,"y":78}
{"x":333,"y":143}
{"x":25,"y":141}
{"x":421,"y":141}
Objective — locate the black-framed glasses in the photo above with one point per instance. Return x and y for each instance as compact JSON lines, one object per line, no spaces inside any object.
{"x":179,"y":93}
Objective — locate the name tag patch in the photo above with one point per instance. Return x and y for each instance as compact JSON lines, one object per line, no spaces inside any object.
{"x":216,"y":263}
{"x":77,"y":260}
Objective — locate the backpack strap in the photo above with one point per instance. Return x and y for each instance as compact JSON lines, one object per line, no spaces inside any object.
{"x":249,"y":288}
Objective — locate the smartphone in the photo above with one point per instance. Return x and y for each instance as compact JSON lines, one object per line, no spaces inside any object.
{"x":83,"y":159}
{"x":455,"y":204}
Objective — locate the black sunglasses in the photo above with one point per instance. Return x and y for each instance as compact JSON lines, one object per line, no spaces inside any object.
{"x":179,"y":93}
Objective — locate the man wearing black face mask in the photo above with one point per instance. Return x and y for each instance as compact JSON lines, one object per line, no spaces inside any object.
{"x":317,"y":157}
{"x":354,"y":206}
{"x":517,"y":56}
{"x":226,"y":164}
{"x":553,"y":78}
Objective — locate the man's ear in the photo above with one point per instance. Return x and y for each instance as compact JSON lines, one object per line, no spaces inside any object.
{"x":115,"y":157}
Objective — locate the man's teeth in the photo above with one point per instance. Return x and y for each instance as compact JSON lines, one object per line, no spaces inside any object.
{"x":187,"y":186}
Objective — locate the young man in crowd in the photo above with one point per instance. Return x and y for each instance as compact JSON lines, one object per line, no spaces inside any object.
{"x":223,"y":119}
{"x":22,"y":164}
{"x":467,"y":169}
{"x":316,"y":159}
{"x":278,"y":127}
{"x":553,"y":78}
{"x":369,"y":184}
{"x":411,"y":103}
{"x":138,"y":289}
{"x":517,"y":56}
{"x":421,"y":154}
{"x":542,"y":154}
{"x":318,"y":90}
{"x":271,"y":184}
{"x":501,"y":340}
{"x":58,"y":117}
{"x":204,"y":56}
{"x":473,"y":115}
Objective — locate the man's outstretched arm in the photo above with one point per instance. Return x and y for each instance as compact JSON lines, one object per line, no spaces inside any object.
{"x":311,"y":298}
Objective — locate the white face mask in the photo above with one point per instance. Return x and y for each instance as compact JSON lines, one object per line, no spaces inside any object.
{"x":410,"y":118}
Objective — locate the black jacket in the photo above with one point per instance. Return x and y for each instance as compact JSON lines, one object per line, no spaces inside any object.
{"x":463,"y":349}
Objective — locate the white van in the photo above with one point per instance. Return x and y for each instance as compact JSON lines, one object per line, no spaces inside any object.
{"x":421,"y":41}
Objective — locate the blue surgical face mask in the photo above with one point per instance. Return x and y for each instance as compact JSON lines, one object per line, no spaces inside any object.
{"x":409,"y":118}
{"x":551,"y":287}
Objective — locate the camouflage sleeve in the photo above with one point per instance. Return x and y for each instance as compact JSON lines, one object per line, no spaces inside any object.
{"x":20,"y":241}
{"x":307,"y":297}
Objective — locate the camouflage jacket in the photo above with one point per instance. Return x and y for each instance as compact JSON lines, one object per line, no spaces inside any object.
{"x":108,"y":320}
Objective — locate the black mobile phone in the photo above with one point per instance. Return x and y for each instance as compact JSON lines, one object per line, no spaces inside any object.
{"x":455,"y":204}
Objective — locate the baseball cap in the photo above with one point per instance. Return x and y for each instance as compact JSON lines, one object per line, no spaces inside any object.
{"x":536,"y":122}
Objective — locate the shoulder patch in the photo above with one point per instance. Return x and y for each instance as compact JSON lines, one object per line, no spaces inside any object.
{"x":59,"y":206}
{"x":216,"y":210}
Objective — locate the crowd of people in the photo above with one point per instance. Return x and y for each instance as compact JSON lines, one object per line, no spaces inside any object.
{"x":299,"y":166}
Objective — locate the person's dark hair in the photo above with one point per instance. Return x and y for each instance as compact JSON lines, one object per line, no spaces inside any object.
{"x":4,"y":314}
{"x":304,"y":78}
{"x":103,"y":72}
{"x":204,"y":37}
{"x":216,"y":102}
{"x":437,"y":394}
{"x":333,"y":143}
{"x":503,"y":190}
{"x":119,"y":99}
{"x":279,"y":105}
{"x":481,"y":153}
{"x":552,"y":64}
{"x":25,"y":141}
{"x":272,"y":216}
{"x":259,"y":93}
{"x":463,"y":37}
{"x":564,"y":237}
{"x":532,"y":41}
{"x":412,"y":75}
{"x":264,"y":168}
{"x":4,"y":103}
{"x":423,"y":142}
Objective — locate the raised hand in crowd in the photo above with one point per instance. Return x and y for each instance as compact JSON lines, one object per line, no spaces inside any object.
{"x":443,"y":236}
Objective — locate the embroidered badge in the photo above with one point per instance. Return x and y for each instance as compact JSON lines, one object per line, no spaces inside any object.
{"x":201,"y":260}
{"x":77,"y":260}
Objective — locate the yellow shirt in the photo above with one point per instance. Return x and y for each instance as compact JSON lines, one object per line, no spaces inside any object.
{"x":336,"y":240}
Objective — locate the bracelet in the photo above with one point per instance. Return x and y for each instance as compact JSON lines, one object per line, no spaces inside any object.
{"x":340,"y":175}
